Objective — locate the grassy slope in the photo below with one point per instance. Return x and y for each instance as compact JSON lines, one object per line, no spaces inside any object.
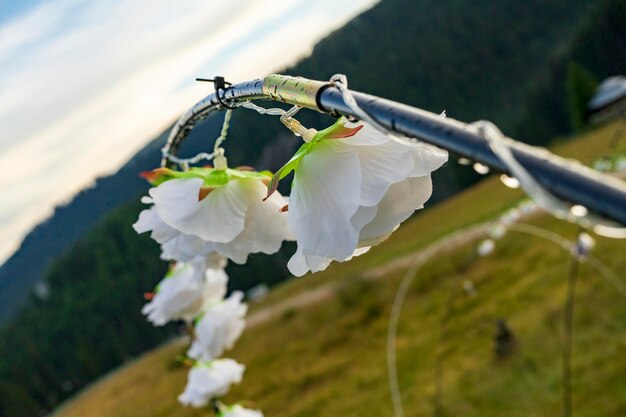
{"x":329,"y":358}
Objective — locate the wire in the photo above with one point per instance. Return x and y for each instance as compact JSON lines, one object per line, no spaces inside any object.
{"x":392,"y":334}
{"x":185,"y":162}
{"x":417,"y":264}
{"x":574,"y":214}
{"x":274,"y":111}
{"x":567,"y":245}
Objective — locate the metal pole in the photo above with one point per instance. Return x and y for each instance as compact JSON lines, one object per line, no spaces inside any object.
{"x":566,"y":179}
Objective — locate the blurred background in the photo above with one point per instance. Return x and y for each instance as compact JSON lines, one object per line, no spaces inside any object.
{"x":88,"y":92}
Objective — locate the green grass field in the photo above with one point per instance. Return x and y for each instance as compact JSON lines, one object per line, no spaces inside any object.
{"x":328,"y":358}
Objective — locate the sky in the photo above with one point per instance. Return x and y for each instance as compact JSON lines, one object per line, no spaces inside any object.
{"x":85,"y":84}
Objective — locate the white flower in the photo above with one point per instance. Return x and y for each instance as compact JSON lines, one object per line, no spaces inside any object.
{"x":184,"y":292}
{"x":239,"y":411}
{"x":352,"y":188}
{"x":210,"y":380}
{"x":219,"y":328}
{"x":225,"y":209}
{"x":175,"y":246}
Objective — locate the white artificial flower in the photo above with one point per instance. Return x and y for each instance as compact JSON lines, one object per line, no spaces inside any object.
{"x":239,"y":411}
{"x":210,"y":380}
{"x":219,"y":328}
{"x":149,"y":221}
{"x":352,"y":187}
{"x":175,"y":246}
{"x":184,"y":292}
{"x":223,"y":208}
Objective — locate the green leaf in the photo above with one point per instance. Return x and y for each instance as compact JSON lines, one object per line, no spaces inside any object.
{"x":212,"y":177}
{"x":291,"y":165}
{"x":337,"y":131}
{"x":262,"y":175}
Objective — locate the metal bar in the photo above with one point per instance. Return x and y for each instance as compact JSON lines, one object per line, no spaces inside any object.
{"x":566,"y":179}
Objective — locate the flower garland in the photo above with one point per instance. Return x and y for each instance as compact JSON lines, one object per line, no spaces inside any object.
{"x":353,"y":186}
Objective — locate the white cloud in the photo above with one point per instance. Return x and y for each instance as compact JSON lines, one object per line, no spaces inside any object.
{"x":85,"y":84}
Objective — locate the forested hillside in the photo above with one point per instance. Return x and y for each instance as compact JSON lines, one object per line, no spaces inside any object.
{"x":476,"y":60}
{"x":70,"y":222}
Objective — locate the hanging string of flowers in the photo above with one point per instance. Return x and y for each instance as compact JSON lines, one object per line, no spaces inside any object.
{"x":353,"y":185}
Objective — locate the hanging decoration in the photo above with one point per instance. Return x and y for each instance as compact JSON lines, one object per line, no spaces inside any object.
{"x":354,"y":183}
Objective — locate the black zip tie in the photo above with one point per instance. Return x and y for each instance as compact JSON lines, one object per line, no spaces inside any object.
{"x":219,"y":83}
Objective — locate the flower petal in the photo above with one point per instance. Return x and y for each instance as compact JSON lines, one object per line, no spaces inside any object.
{"x":323,"y":199}
{"x":381,"y":166}
{"x":185,"y":248}
{"x":219,"y":217}
{"x":368,"y":135}
{"x":219,"y":328}
{"x":299,"y":264}
{"x":363,"y":216}
{"x":399,"y":202}
{"x":239,"y":411}
{"x":427,"y":158}
{"x":180,"y":296}
{"x":149,"y":221}
{"x":207,"y":381}
{"x":265,"y":227}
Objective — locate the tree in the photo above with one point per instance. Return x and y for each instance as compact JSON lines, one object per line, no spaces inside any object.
{"x":580,"y":85}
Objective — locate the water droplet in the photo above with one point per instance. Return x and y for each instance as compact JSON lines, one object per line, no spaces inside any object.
{"x":510,"y":182}
{"x":481,"y":169}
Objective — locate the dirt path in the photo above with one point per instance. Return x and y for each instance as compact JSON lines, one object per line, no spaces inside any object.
{"x":446,"y":243}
